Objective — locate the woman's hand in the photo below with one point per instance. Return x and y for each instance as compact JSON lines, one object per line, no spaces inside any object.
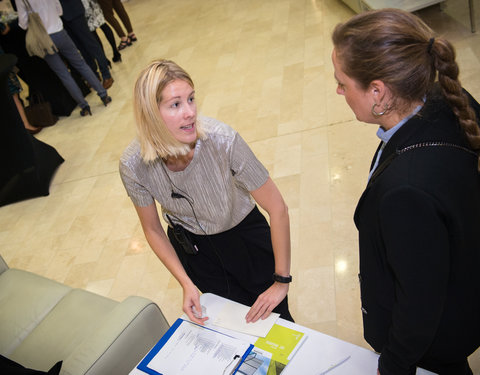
{"x":266,"y":302}
{"x":191,"y":299}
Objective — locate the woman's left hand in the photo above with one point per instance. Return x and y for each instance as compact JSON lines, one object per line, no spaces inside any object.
{"x":266,"y":302}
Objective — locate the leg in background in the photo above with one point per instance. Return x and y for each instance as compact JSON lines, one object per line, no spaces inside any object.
{"x":107,"y":9}
{"x":56,"y":64}
{"x":87,"y":56}
{"x":122,"y":13}
{"x":88,"y":45}
{"x":111,"y":39}
{"x":68,"y":49}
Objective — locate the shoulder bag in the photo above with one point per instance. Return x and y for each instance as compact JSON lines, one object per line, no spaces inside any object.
{"x":37,"y":41}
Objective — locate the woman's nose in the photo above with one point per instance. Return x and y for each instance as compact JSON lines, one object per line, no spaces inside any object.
{"x":189,"y":110}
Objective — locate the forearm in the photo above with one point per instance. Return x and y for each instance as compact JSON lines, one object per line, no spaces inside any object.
{"x":280,"y":232}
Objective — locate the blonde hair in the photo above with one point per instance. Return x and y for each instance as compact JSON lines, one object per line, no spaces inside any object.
{"x":154,"y":137}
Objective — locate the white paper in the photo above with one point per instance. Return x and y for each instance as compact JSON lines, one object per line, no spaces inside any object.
{"x":232,"y":316}
{"x":195,"y":350}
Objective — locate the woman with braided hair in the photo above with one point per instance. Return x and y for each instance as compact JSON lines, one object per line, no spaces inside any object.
{"x":419,"y":215}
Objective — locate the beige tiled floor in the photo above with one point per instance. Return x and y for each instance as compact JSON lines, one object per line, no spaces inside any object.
{"x":263,"y":67}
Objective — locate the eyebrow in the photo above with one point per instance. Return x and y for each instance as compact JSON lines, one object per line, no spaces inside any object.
{"x":178,"y":96}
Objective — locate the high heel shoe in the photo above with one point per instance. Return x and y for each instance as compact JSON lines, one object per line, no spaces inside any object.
{"x":124,"y":44}
{"x":133,"y":37}
{"x":106,"y":99}
{"x":85,"y":111}
{"x":117,"y":58}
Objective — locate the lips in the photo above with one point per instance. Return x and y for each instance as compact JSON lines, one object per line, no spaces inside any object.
{"x":187,"y":127}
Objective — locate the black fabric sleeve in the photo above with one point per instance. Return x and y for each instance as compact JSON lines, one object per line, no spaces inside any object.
{"x":417,"y":246}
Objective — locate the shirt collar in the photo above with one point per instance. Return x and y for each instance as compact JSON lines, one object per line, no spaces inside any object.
{"x":385,"y":135}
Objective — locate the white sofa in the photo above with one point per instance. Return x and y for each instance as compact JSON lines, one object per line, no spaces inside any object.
{"x":43,"y":322}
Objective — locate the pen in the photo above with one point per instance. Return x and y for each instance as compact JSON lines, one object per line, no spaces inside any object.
{"x":335,"y":365}
{"x":235,"y":365}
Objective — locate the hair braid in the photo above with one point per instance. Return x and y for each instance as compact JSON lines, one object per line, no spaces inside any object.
{"x":444,"y":60}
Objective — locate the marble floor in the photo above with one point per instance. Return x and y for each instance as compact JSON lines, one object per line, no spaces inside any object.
{"x":264,"y":68}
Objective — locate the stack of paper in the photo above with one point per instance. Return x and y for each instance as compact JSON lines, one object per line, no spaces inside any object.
{"x":190,"y":349}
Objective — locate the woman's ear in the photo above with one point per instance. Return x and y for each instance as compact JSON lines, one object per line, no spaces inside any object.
{"x":378,"y":90}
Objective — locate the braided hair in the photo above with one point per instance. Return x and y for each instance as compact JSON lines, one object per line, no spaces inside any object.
{"x":399,"y":49}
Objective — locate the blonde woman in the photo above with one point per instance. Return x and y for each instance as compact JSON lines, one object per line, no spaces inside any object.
{"x":204,"y":176}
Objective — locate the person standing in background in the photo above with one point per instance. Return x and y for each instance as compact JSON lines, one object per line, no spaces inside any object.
{"x":419,"y":215}
{"x":95,"y":19}
{"x":107,"y":7}
{"x":76,"y":25}
{"x":50,"y":12}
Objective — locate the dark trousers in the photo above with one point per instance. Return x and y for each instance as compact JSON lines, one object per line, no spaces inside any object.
{"x":237,"y":264}
{"x":107,"y":8}
{"x":89,"y":47}
{"x":110,"y":37}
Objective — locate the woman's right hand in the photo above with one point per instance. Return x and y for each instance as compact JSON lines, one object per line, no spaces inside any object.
{"x":191,"y":299}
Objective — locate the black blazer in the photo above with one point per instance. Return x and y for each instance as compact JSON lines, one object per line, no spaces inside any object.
{"x":418,"y":223}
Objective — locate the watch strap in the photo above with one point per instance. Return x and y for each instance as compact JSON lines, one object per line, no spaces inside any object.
{"x":282,"y":279}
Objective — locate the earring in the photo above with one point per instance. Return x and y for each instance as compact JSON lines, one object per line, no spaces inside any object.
{"x":378,"y":114}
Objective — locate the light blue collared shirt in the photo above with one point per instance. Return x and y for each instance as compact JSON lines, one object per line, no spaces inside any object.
{"x":386,"y":135}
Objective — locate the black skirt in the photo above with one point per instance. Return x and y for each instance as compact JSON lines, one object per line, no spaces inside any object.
{"x":237,"y":264}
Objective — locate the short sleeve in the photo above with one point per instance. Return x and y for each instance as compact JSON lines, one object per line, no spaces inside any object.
{"x":139,"y":195}
{"x":246,"y":168}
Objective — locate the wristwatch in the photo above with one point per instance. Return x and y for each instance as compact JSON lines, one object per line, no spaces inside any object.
{"x":282,"y":279}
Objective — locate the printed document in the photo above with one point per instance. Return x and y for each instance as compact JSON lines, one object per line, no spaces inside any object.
{"x":190,"y":349}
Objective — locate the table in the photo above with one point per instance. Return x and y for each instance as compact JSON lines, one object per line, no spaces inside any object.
{"x":317,"y":353}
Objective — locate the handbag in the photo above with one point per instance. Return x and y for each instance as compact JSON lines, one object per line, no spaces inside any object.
{"x":39,"y":111}
{"x":37,"y":41}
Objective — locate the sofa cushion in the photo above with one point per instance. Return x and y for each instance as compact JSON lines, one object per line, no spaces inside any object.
{"x":25,"y":300}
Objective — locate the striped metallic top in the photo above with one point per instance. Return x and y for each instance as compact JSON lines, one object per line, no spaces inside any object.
{"x":211,"y":194}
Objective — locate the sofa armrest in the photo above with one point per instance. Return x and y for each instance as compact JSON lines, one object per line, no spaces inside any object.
{"x":131,"y":329}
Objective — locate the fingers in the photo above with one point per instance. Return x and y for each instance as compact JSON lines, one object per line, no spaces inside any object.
{"x":195,"y":317}
{"x":258,"y":311}
{"x":266,"y":302}
{"x":192,"y":307}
